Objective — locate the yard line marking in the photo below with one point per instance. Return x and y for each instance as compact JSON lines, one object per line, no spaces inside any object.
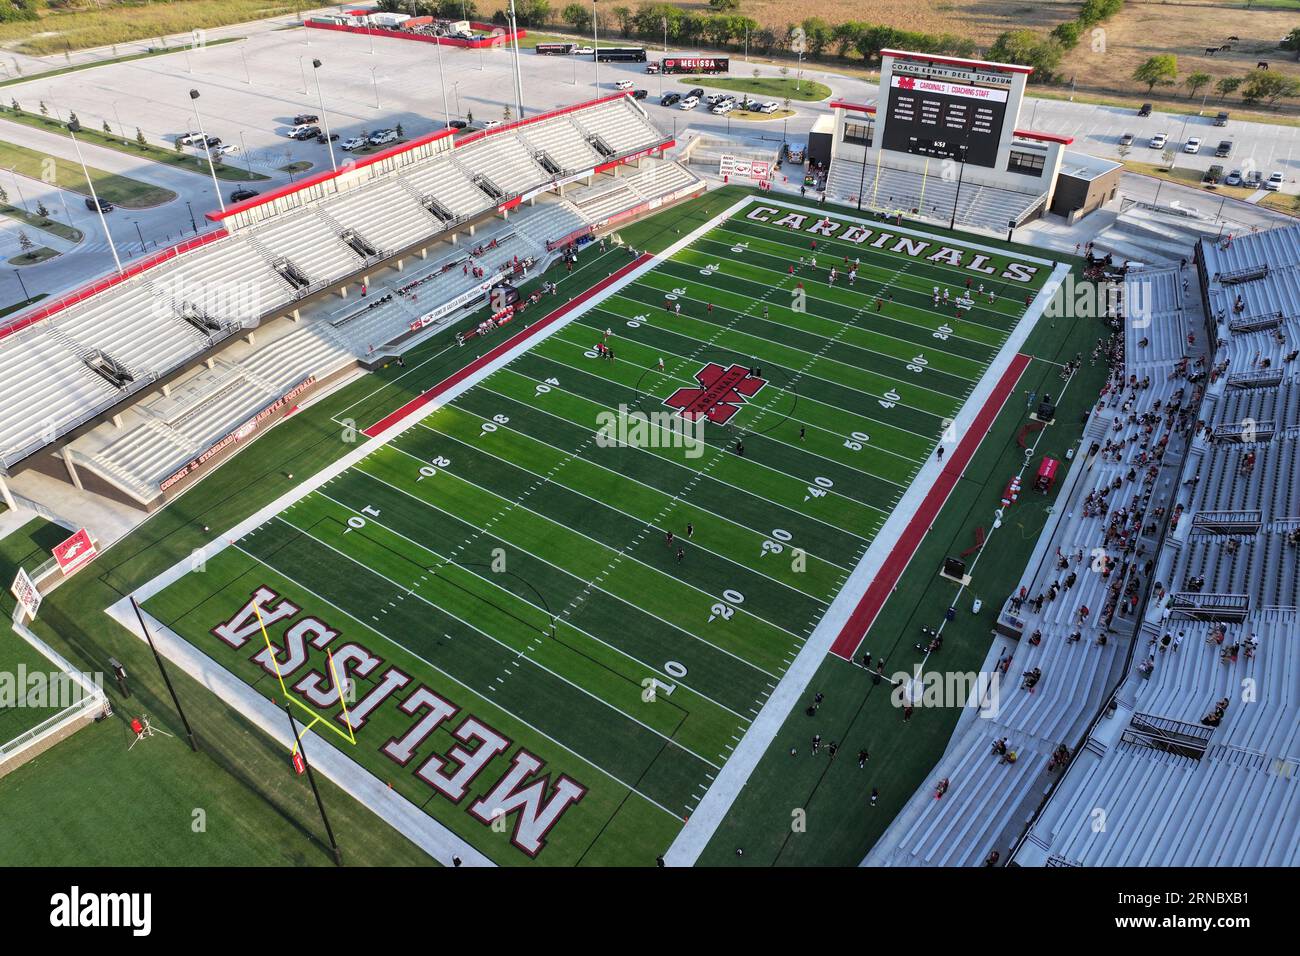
{"x":458,"y":681}
{"x":523,"y":600}
{"x":605,"y":547}
{"x":503,"y":645}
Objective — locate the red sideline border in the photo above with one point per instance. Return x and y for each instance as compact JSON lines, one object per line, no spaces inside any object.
{"x":885,"y":580}
{"x":521,"y":336}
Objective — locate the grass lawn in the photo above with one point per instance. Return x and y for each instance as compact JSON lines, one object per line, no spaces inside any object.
{"x":53,"y":226}
{"x":776,"y":87}
{"x":19,"y":306}
{"x":119,"y":190}
{"x":124,"y":142}
{"x":30,"y":258}
{"x":110,"y":23}
{"x":297,"y":166}
{"x":749,"y":117}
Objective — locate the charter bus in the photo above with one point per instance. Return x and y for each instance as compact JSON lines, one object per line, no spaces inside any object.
{"x":635,"y":54}
{"x":557,"y":49}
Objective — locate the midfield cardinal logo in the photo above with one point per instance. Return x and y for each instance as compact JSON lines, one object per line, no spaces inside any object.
{"x":722,"y":392}
{"x":906,"y":83}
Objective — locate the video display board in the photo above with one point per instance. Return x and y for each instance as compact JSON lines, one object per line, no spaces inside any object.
{"x":933,"y":117}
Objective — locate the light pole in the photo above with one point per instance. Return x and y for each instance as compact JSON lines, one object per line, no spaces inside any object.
{"x":19,"y":186}
{"x":375,"y":82}
{"x":136,"y":223}
{"x":455,"y":94}
{"x":194,"y":100}
{"x":26,"y":294}
{"x":193,"y":225}
{"x":442,"y":83}
{"x":120,"y":128}
{"x":514,"y":46}
{"x":72,"y":131}
{"x":329,"y":143}
{"x":595,"y":44}
{"x":957,"y":195}
{"x":248,"y":78}
{"x":302,"y":71}
{"x":243,"y":147}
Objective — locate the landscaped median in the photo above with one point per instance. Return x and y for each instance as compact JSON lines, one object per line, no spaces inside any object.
{"x":777,"y":87}
{"x":67,"y":174}
{"x":127,"y":141}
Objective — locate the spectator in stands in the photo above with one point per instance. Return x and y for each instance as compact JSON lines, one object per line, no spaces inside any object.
{"x":1214,"y":717}
{"x":1031,"y":678}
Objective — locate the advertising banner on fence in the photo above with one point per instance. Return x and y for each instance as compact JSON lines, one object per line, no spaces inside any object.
{"x":24,"y":589}
{"x":729,"y":165}
{"x":75,"y":552}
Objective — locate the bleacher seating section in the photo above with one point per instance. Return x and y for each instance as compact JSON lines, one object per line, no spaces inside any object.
{"x":138,"y":323}
{"x":987,"y":208}
{"x":1230,"y":798}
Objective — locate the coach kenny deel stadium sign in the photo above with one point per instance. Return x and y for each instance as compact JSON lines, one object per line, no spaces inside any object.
{"x":951,"y":74}
{"x":907,"y":245}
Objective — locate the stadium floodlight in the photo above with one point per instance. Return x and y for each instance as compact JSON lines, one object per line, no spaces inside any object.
{"x":595,"y":44}
{"x":320,"y":96}
{"x":99,"y":208}
{"x":194,"y":100}
{"x":442,"y":83}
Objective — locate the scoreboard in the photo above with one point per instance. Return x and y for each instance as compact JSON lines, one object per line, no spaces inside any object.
{"x":937,"y":117}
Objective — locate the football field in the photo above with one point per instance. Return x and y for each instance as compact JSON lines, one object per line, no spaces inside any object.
{"x":561,"y":591}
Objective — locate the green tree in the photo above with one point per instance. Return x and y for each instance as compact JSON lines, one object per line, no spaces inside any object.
{"x":819,"y":34}
{"x":399,"y":130}
{"x":578,"y":16}
{"x":724,"y":6}
{"x":1027,"y":47}
{"x":1067,"y":34}
{"x":14,"y":103}
{"x":1227,"y":86}
{"x":4,"y":196}
{"x":625,"y":20}
{"x":45,"y":110}
{"x":1292,"y":42}
{"x":176,"y":144}
{"x":845,"y":36}
{"x":42,"y":210}
{"x":139,"y":137}
{"x":25,"y":243}
{"x":469,"y":116}
{"x":1270,"y":87}
{"x":108,"y":130}
{"x":1195,"y":81}
{"x":1160,"y":69}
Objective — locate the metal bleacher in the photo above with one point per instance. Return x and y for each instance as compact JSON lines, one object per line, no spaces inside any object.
{"x":885,"y":189}
{"x":175,"y":310}
{"x":1180,"y":788}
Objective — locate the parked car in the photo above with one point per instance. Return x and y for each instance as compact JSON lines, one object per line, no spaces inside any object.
{"x":213,"y":142}
{"x":1221,"y":119}
{"x":669,"y":99}
{"x":1193,"y":145}
{"x":303,"y":132}
{"x":696,"y":94}
{"x":1213,"y":175}
{"x":1145,"y":110}
{"x":457,"y":124}
{"x":1275,"y":181}
{"x":189,"y":139}
{"x":382,"y":136}
{"x":1223,"y":149}
{"x":305,"y":119}
{"x":353,"y":142}
{"x":1254,"y":178}
{"x":103,"y":205}
{"x":321,"y":137}
{"x":584,"y":51}
{"x":640,"y":94}
{"x":226,"y":150}
{"x":688,"y":104}
{"x":1158,"y":141}
{"x":624,"y":85}
{"x":239,"y":195}
{"x":724,"y":107}
{"x":1126,"y":139}
{"x":491,"y":124}
{"x":652,"y":67}
{"x":771,"y":106}
{"x":713,"y":99}
{"x":1233,"y":178}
